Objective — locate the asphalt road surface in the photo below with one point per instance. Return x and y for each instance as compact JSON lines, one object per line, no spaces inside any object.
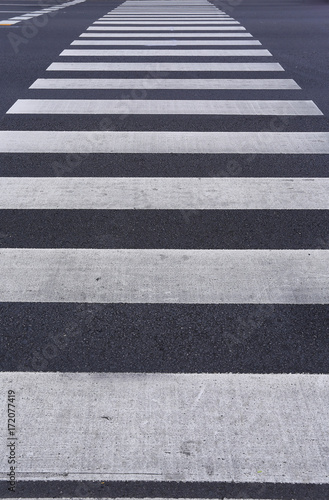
{"x":164,"y":249}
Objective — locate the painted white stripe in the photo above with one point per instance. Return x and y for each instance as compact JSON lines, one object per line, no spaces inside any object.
{"x":170,"y":427}
{"x":18,"y":18}
{"x":32,"y":14}
{"x":188,"y":193}
{"x":158,"y":66}
{"x":169,"y":11}
{"x":165,"y":28}
{"x":165,"y":7}
{"x":166,"y":52}
{"x":166,"y":18}
{"x":213,"y":15}
{"x":154,"y":23}
{"x":165,"y":276}
{"x":171,"y":43}
{"x":164,"y":142}
{"x":196,"y":35}
{"x":163,"y":107}
{"x":173,"y":17}
{"x":171,"y":83}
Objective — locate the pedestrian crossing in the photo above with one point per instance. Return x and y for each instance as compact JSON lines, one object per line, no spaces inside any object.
{"x":163,"y":205}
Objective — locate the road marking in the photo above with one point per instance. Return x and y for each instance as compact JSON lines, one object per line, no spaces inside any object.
{"x":165,"y":276}
{"x":163,"y":107}
{"x":170,"y":83}
{"x":164,"y":142}
{"x":188,"y":193}
{"x":158,"y":66}
{"x":166,"y":42}
{"x":164,"y":28}
{"x":36,"y":13}
{"x":172,"y":16}
{"x":166,"y":52}
{"x":152,"y":427}
{"x":165,"y":17}
{"x":196,"y":35}
{"x":155,"y":23}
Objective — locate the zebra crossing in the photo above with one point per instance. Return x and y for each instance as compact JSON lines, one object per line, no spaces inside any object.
{"x":180,"y":335}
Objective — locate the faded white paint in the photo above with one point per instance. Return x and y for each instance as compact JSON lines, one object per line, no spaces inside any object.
{"x":163,"y":107}
{"x":167,"y":83}
{"x":165,"y":276}
{"x":26,"y":141}
{"x":166,"y":52}
{"x":170,"y":427}
{"x":164,"y":193}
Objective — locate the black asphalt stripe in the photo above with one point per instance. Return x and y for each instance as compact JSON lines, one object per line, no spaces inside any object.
{"x":162,"y":165}
{"x":181,"y":229}
{"x":164,"y":338}
{"x":164,"y":123}
{"x":171,"y":94}
{"x":142,"y":489}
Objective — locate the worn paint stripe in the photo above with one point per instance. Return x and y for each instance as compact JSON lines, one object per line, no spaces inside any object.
{"x":164,"y":142}
{"x":165,"y":276}
{"x":163,"y":107}
{"x":170,"y":83}
{"x":160,"y":66}
{"x":166,"y":52}
{"x":166,"y":193}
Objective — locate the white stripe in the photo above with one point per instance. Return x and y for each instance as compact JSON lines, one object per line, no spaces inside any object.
{"x":164,"y":142}
{"x":188,"y":193}
{"x":163,"y":107}
{"x":165,"y":276}
{"x":165,"y":52}
{"x":173,"y":17}
{"x":170,"y":11}
{"x":169,"y":427}
{"x":165,"y":11}
{"x":154,"y":23}
{"x":18,"y":18}
{"x":166,"y":16}
{"x":196,"y":35}
{"x":36,"y":13}
{"x":165,"y":7}
{"x":165,"y":28}
{"x":171,"y":83}
{"x":166,"y":43}
{"x":158,"y":66}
